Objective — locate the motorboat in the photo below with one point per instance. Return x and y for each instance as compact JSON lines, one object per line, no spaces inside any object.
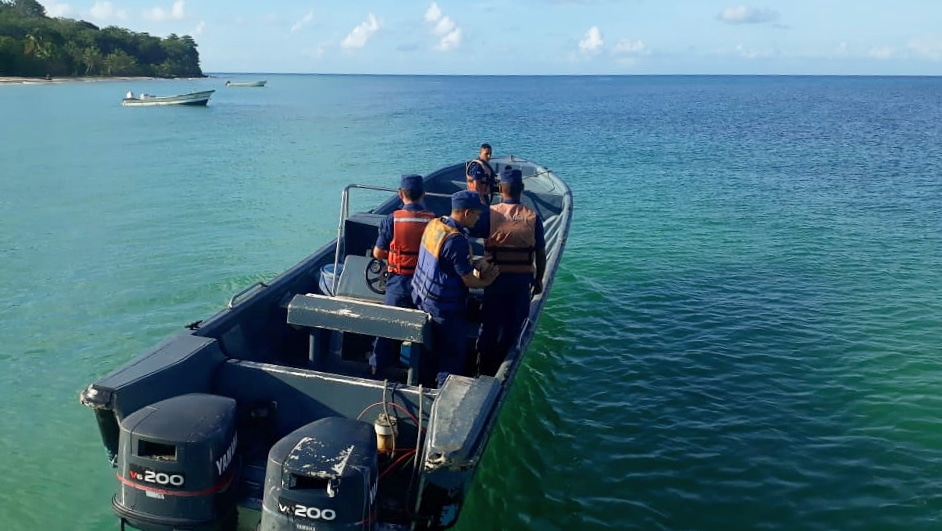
{"x":147,"y":100}
{"x":267,"y":416}
{"x":245,"y":84}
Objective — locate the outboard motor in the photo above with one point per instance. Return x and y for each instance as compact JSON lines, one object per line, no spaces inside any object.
{"x":322,"y":476}
{"x":177,"y":465}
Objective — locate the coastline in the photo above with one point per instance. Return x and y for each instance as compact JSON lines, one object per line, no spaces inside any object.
{"x":15,"y":80}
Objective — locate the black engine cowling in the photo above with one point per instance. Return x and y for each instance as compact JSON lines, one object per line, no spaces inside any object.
{"x":322,"y":476}
{"x":177,"y":465}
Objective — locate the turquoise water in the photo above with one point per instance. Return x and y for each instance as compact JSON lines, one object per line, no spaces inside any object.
{"x":744,"y":333}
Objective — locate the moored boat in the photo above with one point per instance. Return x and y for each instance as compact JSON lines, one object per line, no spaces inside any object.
{"x":266,"y":413}
{"x":147,"y":100}
{"x":245,"y":84}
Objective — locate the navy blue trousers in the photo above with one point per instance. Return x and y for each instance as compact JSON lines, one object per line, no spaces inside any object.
{"x":506,"y":305}
{"x":399,"y":294}
{"x":449,"y":351}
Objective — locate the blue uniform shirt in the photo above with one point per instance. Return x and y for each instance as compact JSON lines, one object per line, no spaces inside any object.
{"x":482,"y":228}
{"x":455,"y":258}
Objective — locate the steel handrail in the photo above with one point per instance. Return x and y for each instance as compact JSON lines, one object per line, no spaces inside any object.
{"x":259,"y":284}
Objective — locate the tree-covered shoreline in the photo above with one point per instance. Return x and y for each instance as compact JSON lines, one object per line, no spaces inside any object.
{"x":34,"y":45}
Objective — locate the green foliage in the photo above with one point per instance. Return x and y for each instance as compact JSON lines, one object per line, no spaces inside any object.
{"x":32,"y":44}
{"x":29,"y":8}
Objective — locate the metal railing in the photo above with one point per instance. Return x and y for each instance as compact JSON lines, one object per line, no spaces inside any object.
{"x":345,"y":213}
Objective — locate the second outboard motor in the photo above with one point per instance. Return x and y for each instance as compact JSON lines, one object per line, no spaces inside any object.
{"x":322,"y":476}
{"x":177,"y":465}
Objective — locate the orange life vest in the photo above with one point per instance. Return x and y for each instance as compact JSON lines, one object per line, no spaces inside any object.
{"x":513,"y":238}
{"x":408,"y":226}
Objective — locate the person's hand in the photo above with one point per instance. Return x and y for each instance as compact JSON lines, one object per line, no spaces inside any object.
{"x":537,"y":286}
{"x":490,"y":273}
{"x":486,"y":270}
{"x":481,"y":264}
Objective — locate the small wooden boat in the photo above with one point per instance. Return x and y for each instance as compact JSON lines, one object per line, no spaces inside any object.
{"x":147,"y":100}
{"x":245,"y":84}
{"x":266,"y":413}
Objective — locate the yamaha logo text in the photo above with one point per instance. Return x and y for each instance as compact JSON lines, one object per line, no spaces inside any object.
{"x":222,"y":464}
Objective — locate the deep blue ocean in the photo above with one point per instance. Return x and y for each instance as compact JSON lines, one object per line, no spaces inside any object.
{"x":745,"y":332}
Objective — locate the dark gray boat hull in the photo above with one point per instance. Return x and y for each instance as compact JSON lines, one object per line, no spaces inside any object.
{"x":289,"y":359}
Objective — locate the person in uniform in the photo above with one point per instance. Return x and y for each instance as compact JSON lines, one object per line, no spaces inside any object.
{"x":400,"y":235}
{"x":481,"y":179}
{"x":480,"y":169}
{"x":517,"y":246}
{"x":443,"y":276}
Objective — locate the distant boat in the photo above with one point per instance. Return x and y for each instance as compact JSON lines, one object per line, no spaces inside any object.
{"x":243,"y":84}
{"x":148,"y":100}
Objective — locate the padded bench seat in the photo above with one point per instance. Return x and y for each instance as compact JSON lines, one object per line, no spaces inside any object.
{"x":345,"y":315}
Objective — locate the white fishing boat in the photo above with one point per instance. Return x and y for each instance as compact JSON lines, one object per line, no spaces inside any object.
{"x":245,"y":84}
{"x":147,"y":100}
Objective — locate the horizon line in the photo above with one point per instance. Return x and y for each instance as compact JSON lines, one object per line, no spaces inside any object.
{"x":211,"y":73}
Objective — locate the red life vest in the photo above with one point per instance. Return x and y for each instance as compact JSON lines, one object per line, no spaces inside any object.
{"x":513,"y":238}
{"x":408,"y":226}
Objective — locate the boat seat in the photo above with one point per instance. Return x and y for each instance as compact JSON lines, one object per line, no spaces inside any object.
{"x":361,"y":317}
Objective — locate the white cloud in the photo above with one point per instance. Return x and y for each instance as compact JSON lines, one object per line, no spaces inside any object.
{"x":318,"y":52}
{"x":199,"y":28}
{"x":883,"y":52}
{"x":593,"y":42}
{"x":361,"y":33}
{"x":433,"y":13}
{"x":444,"y":28}
{"x":747,"y":15}
{"x":928,"y":48}
{"x":630,"y":47}
{"x":450,"y":41}
{"x":54,"y":9}
{"x":841,"y":50}
{"x":106,"y":12}
{"x":305,"y":20}
{"x":159,"y":14}
{"x":748,"y":53}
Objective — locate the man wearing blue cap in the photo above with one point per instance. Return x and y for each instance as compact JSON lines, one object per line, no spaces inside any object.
{"x":481,"y":179}
{"x":440,"y":286}
{"x":400,"y":235}
{"x":517,"y":245}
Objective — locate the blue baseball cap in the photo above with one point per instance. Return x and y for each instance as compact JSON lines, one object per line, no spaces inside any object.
{"x":511,"y":176}
{"x":412,"y":182}
{"x":465,"y":199}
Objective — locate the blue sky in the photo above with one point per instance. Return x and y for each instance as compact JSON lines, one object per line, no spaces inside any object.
{"x":862,"y":37}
